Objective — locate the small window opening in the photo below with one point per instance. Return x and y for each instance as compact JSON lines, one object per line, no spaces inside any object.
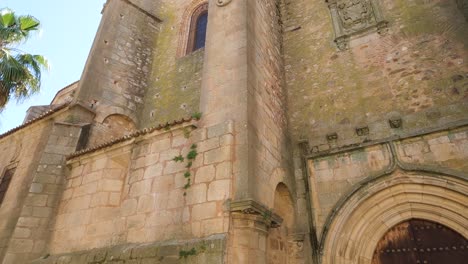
{"x":200,"y":34}
{"x":198,"y":26}
{"x":5,"y":182}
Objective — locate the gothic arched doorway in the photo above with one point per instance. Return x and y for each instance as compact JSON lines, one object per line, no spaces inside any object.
{"x":420,"y":241}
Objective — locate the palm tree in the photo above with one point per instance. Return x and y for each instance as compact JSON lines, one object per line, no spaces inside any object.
{"x":20,"y":73}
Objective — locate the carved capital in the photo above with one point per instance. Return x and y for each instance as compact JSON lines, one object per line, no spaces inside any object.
{"x":223,"y":2}
{"x":252,"y":207}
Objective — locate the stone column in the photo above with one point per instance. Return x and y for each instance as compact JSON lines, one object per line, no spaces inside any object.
{"x":248,"y":239}
{"x":224,"y":84}
{"x":242,"y":84}
{"x":250,"y":222}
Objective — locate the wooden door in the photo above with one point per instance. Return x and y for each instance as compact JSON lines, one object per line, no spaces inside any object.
{"x":420,"y":241}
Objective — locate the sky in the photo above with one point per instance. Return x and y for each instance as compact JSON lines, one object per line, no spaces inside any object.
{"x":67,"y":32}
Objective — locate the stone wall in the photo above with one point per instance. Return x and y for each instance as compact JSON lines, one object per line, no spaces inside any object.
{"x":139,"y":73}
{"x":174,"y":88}
{"x":415,"y":70}
{"x":266,"y":101}
{"x":133,"y":192}
{"x":334,"y":176}
{"x":112,"y":127}
{"x":38,"y":151}
{"x":20,"y":151}
{"x":115,"y":78}
{"x":66,"y":94}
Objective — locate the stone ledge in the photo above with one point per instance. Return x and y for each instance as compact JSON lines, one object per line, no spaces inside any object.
{"x":249,"y":206}
{"x":209,"y":250}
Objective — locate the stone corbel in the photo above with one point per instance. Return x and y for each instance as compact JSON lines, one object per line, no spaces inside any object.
{"x":223,"y":2}
{"x":296,"y":245}
{"x":382,"y":27}
{"x":252,"y":207}
{"x":342,"y":42}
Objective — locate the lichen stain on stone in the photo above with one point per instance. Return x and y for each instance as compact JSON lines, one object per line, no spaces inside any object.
{"x":175,"y":81}
{"x":408,"y":70}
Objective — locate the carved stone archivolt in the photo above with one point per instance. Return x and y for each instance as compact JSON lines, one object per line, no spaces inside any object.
{"x":354,"y":17}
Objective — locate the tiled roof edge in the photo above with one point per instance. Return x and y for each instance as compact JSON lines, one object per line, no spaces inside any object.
{"x":68,"y":86}
{"x":128,"y":137}
{"x":32,"y":121}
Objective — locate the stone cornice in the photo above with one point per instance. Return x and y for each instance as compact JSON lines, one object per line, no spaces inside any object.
{"x":134,"y":135}
{"x":249,"y":206}
{"x":44,"y":115}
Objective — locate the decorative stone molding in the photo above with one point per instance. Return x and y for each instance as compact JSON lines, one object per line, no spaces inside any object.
{"x":463,"y":6}
{"x":354,"y":17}
{"x":395,"y":122}
{"x":362,"y":131}
{"x":223,"y":2}
{"x":304,"y":146}
{"x":354,"y":230}
{"x":252,"y":207}
{"x":332,"y":137}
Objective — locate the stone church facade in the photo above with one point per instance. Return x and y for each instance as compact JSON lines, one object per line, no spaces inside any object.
{"x":296,"y":131}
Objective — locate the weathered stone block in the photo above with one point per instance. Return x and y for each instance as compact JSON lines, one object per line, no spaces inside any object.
{"x":217,"y":155}
{"x":224,"y":170}
{"x":196,"y":194}
{"x":204,"y":211}
{"x":205,"y":174}
{"x":153,"y":171}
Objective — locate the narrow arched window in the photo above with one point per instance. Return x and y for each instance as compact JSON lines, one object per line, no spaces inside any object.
{"x":198,"y":25}
{"x":200,"y":32}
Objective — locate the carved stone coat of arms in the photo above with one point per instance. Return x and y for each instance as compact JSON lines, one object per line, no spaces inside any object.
{"x":351,"y":17}
{"x":355,"y":14}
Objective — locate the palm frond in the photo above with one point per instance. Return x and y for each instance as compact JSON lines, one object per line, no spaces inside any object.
{"x":7,"y":18}
{"x":16,"y":29}
{"x":20,"y":73}
{"x":28,"y":23}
